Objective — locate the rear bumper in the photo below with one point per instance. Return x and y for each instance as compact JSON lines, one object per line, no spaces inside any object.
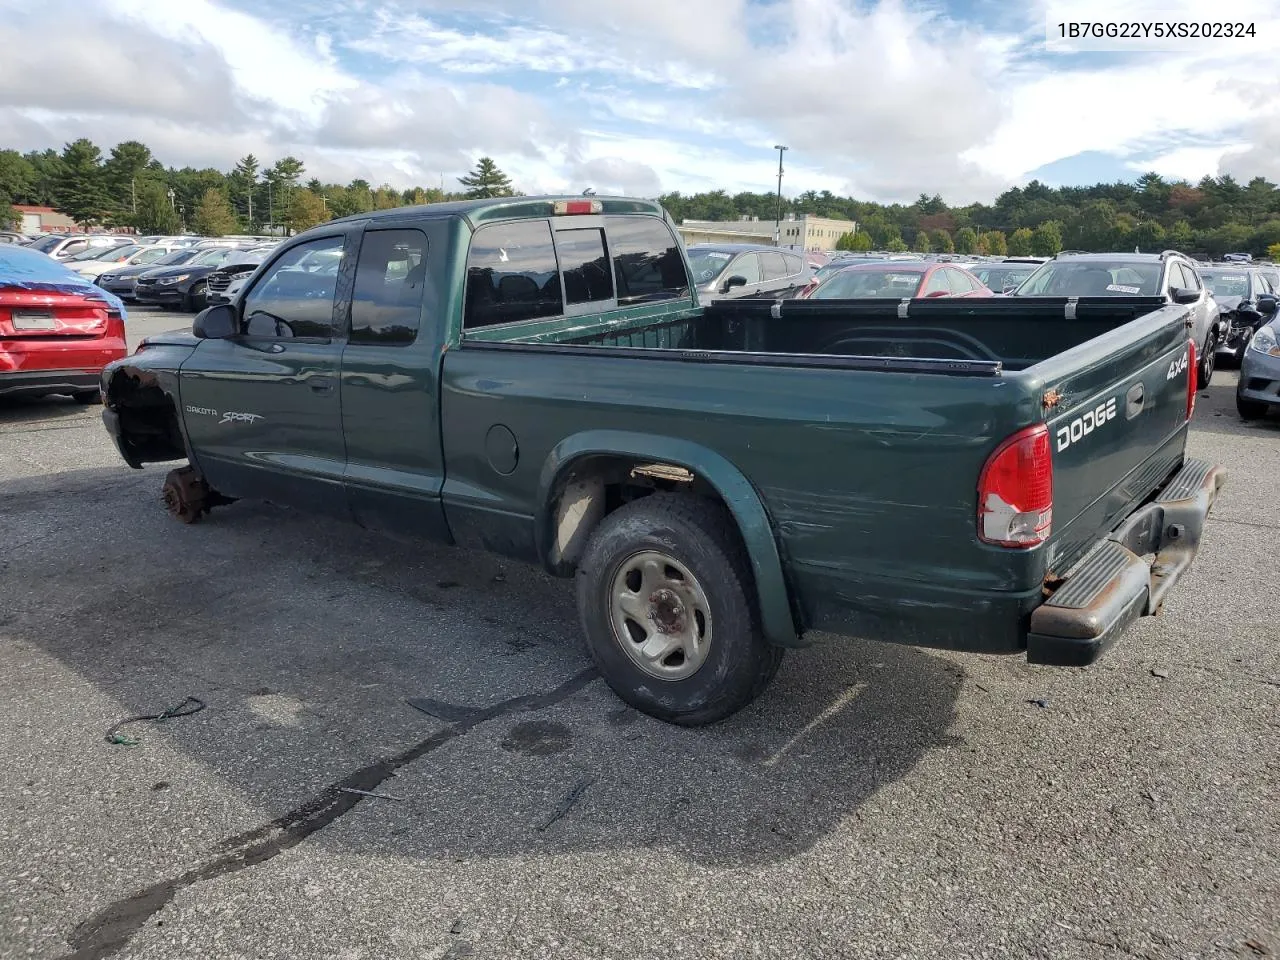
{"x":1114,"y":585}
{"x":47,"y":381}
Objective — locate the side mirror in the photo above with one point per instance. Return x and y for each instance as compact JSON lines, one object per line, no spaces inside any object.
{"x":734,"y":281}
{"x":216,"y":323}
{"x":1184,"y":295}
{"x":1267,"y":303}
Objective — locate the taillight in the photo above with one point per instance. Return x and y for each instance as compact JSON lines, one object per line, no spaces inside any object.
{"x":1015,"y":491}
{"x":1192,"y":378}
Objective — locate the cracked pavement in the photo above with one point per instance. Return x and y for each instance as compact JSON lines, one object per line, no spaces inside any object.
{"x":878,"y":801}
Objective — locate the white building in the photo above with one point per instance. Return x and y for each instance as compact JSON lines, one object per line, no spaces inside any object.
{"x":805,"y":232}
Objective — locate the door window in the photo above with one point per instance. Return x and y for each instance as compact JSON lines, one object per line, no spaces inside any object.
{"x":512,"y":274}
{"x":746,"y":266}
{"x":646,"y":260}
{"x":1190,"y":279}
{"x":960,"y":282}
{"x":587,"y":277}
{"x":386,"y":304}
{"x":294,"y":298}
{"x":775,"y":268}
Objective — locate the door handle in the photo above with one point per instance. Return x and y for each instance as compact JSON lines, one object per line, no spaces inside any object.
{"x":321,"y":384}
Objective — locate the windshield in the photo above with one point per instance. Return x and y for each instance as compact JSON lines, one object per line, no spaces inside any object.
{"x":848,"y":284}
{"x":148,"y":255}
{"x":1093,"y":278}
{"x":45,"y":244}
{"x":997,"y":278}
{"x":174,"y":258}
{"x":212,"y":257}
{"x":1226,"y":283}
{"x":707,"y":264}
{"x":102,"y":250}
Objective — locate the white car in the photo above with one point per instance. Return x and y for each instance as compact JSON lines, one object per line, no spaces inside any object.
{"x":94,"y":262}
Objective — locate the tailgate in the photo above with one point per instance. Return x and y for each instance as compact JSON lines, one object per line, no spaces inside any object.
{"x":1117,"y":426}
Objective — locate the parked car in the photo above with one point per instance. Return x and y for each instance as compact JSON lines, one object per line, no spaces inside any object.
{"x":120,"y":279}
{"x":1246,"y":300}
{"x":1258,"y":390}
{"x":124,"y":256}
{"x":60,"y":246}
{"x":746,"y":270}
{"x":898,"y":280}
{"x":57,"y":330}
{"x":182,"y":286}
{"x":1169,"y":275}
{"x":241,"y":263}
{"x":1006,"y":275}
{"x":7,"y":236}
{"x":720,"y":479}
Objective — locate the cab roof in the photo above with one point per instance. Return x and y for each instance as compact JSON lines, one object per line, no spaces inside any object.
{"x":504,"y":208}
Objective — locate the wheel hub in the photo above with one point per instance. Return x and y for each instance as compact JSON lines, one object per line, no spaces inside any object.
{"x":667,"y":611}
{"x":660,"y":615}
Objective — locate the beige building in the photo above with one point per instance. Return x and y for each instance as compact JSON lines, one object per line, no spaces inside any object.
{"x":805,"y":232}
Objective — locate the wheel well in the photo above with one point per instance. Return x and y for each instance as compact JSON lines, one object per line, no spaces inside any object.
{"x":595,"y":486}
{"x":149,"y":425}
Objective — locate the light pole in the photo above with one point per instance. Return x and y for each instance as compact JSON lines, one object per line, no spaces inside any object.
{"x":172,"y":208}
{"x":777,"y":220}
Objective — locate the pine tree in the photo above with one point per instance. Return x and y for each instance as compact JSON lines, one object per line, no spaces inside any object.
{"x":214,"y":217}
{"x":155,"y":213}
{"x":966,"y":240}
{"x":81,"y":191}
{"x":243,"y":180}
{"x":486,"y":180}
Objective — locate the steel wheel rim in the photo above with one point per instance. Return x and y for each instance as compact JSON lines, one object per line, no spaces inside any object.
{"x":660,"y":615}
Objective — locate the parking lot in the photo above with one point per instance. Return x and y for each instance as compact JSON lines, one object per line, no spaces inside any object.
{"x":877,"y":801}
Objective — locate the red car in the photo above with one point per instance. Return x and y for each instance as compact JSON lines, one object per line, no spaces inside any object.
{"x":57,"y":331}
{"x":896,"y":280}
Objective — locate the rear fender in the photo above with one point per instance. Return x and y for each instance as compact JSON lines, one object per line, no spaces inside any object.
{"x":706,"y":465}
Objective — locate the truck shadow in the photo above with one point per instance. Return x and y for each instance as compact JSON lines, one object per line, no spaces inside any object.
{"x":307,"y":639}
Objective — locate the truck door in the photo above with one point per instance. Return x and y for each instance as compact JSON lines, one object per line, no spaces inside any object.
{"x":390,"y":382}
{"x":262,"y":409}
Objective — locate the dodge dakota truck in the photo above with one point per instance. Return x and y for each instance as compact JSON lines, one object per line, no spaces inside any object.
{"x":535,"y":377}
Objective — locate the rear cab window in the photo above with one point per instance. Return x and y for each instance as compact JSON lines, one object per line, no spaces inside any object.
{"x":526,"y":270}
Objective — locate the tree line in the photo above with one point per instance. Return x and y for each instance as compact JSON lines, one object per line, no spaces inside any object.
{"x":128,"y":186}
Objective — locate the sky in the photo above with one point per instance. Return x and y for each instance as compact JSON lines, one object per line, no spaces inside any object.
{"x":877,"y":99}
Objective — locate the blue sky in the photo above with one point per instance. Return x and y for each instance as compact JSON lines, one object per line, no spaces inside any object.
{"x":883,"y":99}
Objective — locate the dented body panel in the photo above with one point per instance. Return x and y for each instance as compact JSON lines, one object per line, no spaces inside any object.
{"x":846,"y":438}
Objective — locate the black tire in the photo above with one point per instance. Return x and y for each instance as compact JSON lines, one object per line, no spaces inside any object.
{"x":87,"y":397}
{"x":1250,"y":409}
{"x":700,"y":535}
{"x":195,"y":300}
{"x":1245,"y":337}
{"x":1204,"y":369}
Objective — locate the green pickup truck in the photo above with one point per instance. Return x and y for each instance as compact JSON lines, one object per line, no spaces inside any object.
{"x":535,"y":377}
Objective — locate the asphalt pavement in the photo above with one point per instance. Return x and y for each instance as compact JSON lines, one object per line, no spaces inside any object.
{"x":878,"y":801}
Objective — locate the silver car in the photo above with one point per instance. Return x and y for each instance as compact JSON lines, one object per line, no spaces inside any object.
{"x":1169,"y":275}
{"x":1259,"y":387}
{"x":722,"y":270}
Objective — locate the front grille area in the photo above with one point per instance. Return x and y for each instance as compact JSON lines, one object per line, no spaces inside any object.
{"x":218,"y":282}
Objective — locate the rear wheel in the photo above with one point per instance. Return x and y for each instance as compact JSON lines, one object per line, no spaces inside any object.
{"x":669,"y":610}
{"x":1204,"y":374}
{"x":1250,"y":409}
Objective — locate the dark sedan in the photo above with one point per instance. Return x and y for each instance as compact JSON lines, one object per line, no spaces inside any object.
{"x":181,"y":286}
{"x":1246,"y":299}
{"x":121,"y":280}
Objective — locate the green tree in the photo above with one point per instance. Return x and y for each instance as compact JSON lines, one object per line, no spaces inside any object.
{"x":48,"y":168}
{"x":215,"y":216}
{"x":861,"y":242}
{"x":1020,"y":242}
{"x":845,"y":241}
{"x":921,"y":243}
{"x":122,"y":172}
{"x":940,"y":240}
{"x":155,"y":213}
{"x":1273,"y":251}
{"x":81,"y":191}
{"x":242,"y":183}
{"x":306,"y":210}
{"x":9,"y":217}
{"x":966,"y":240}
{"x":896,"y":245}
{"x":1149,"y":236}
{"x":486,"y":180}
{"x":1046,"y":239}
{"x":1180,"y":236}
{"x":17,"y":176}
{"x":281,"y":180}
{"x":1093,"y":227}
{"x":1228,"y":238}
{"x":993,"y":243}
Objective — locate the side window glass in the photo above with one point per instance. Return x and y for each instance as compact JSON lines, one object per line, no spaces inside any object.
{"x":1190,"y":279}
{"x":937,"y":283}
{"x":746,"y":266}
{"x":386,"y":305}
{"x":794,"y":265}
{"x":585,"y":266}
{"x":960,"y":282}
{"x":512,"y":274}
{"x":646,"y":260}
{"x":294,"y":298}
{"x":775,"y":268}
